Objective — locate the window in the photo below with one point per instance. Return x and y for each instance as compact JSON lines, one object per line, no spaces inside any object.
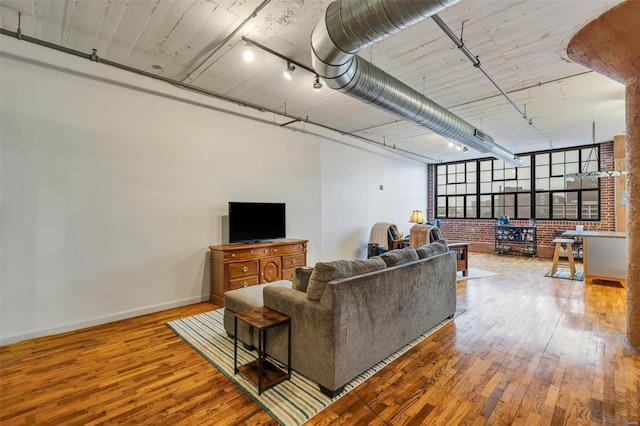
{"x":538,"y":189}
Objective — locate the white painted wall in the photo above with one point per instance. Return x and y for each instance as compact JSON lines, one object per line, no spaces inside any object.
{"x":113,"y":185}
{"x":352,"y":200}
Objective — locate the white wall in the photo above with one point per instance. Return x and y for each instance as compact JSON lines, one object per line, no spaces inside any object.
{"x":113,"y":185}
{"x":352,"y":200}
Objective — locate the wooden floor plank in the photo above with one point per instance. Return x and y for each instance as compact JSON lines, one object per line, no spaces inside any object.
{"x":528,"y":350}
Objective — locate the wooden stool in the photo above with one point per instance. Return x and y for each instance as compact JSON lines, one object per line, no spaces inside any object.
{"x":556,"y":255}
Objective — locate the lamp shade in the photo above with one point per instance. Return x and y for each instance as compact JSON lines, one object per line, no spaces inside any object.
{"x":416,"y":217}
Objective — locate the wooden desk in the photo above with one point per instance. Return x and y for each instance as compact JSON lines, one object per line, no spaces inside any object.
{"x":462,"y":256}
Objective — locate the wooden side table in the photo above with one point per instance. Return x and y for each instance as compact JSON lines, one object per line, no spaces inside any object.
{"x":401,"y":243}
{"x":462,"y":256}
{"x":261,"y":371}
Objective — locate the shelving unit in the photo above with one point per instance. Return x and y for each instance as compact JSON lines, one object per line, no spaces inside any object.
{"x":520,"y":240}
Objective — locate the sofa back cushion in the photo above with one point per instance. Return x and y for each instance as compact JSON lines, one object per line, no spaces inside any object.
{"x":432,"y":249}
{"x":324,"y":272}
{"x":301,"y":277}
{"x":399,"y":256}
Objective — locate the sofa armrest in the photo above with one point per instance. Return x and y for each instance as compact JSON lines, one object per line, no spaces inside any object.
{"x":308,"y":315}
{"x":312,"y":334}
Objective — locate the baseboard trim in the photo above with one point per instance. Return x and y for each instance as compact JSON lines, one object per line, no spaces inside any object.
{"x":104,"y":320}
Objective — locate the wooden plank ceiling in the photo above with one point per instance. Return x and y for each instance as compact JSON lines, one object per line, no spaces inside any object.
{"x":521,"y":43}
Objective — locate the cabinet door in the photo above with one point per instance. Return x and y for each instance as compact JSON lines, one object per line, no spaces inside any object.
{"x":270,"y":269}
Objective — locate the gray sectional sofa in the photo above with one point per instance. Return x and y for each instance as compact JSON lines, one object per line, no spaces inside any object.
{"x":346,"y":316}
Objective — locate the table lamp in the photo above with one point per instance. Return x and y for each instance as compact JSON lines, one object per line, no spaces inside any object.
{"x":416,"y":217}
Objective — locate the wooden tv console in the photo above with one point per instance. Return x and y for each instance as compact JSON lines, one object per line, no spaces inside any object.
{"x":241,"y":265}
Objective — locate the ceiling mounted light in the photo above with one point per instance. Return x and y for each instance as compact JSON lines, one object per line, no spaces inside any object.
{"x":459,"y":147}
{"x":450,"y":144}
{"x":288,"y":73}
{"x":317,"y":85}
{"x":248,"y":54}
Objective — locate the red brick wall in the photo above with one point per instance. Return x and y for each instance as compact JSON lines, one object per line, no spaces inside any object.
{"x":480,"y":232}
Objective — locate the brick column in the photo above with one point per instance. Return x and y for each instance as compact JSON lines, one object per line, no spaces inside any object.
{"x":610,"y":45}
{"x":632,"y":96}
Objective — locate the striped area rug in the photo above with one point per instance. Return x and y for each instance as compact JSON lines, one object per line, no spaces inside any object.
{"x":292,"y":402}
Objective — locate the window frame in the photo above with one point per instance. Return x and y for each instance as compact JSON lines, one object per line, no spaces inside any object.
{"x":532,"y":181}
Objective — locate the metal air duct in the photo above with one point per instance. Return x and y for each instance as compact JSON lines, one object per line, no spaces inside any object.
{"x":351,"y":25}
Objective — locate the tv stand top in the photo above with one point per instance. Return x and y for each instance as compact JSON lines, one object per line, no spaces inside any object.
{"x":261,"y":244}
{"x":266,"y":240}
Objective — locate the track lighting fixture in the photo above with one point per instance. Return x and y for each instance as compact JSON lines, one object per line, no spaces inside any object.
{"x":458,"y":146}
{"x":248,"y":53}
{"x":288,"y":73}
{"x":317,"y":85}
{"x":251,"y":45}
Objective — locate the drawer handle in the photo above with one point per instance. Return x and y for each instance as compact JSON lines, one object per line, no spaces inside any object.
{"x":275,"y":250}
{"x":293,"y":262}
{"x":244,"y":269}
{"x":233,"y":255}
{"x":244,"y":284}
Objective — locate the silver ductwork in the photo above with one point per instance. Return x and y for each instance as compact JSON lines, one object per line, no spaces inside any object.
{"x":351,"y":25}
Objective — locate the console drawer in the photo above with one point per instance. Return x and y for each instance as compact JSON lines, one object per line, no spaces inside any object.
{"x":243,"y":282}
{"x":246,"y":254}
{"x":242,"y":269}
{"x":288,"y":249}
{"x":287,"y":274}
{"x":293,"y":261}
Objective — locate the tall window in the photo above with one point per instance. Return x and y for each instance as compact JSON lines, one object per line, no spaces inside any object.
{"x":538,"y":189}
{"x":457,"y":183}
{"x":560,"y":197}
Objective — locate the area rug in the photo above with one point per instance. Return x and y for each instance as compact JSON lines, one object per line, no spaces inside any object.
{"x":565,"y":274}
{"x":292,"y":402}
{"x":474,"y":273}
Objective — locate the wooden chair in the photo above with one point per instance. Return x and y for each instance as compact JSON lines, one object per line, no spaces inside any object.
{"x":420,"y":235}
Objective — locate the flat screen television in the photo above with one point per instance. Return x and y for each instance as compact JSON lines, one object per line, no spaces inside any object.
{"x":254,"y":222}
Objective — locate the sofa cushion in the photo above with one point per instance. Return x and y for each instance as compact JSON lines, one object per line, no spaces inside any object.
{"x":324,"y":272}
{"x":301,"y":277}
{"x":399,"y":256}
{"x":432,"y":249}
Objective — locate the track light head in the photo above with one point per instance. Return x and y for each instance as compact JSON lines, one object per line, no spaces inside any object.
{"x":247,"y":54}
{"x":317,"y":85}
{"x":288,"y":73}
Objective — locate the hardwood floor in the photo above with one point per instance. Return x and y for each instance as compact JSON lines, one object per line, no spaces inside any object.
{"x":528,"y":350}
